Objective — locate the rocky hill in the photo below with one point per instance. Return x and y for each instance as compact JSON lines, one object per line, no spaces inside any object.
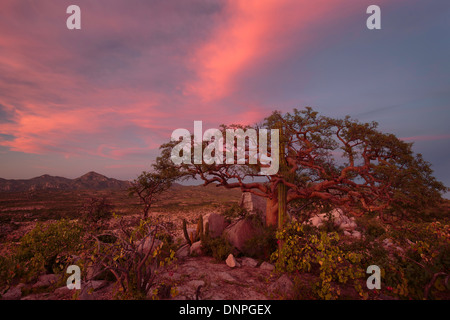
{"x":89,"y":181}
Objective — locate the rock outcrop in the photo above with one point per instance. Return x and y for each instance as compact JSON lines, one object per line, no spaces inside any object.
{"x":254,"y":204}
{"x":239,"y":232}
{"x":216,"y":224}
{"x":339,"y":219}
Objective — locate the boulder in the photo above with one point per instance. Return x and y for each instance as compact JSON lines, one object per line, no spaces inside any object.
{"x":14,"y":293}
{"x":89,"y":289}
{"x":239,"y":232}
{"x":46,"y":280}
{"x":216,"y":224}
{"x":225,"y":276}
{"x":249,"y":262}
{"x":196,"y":248}
{"x":61,"y":291}
{"x":339,"y":218}
{"x":195,"y":283}
{"x":231,"y":261}
{"x":282,"y":286}
{"x":146,"y":245}
{"x":254,"y":204}
{"x":183,"y":252}
{"x":267,"y":266}
{"x":354,"y":234}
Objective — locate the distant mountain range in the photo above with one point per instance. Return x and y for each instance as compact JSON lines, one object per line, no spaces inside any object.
{"x":91,"y":180}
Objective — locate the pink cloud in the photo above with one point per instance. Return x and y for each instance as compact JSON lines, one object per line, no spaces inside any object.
{"x":427,"y":137}
{"x":254,"y":33}
{"x":117,"y":89}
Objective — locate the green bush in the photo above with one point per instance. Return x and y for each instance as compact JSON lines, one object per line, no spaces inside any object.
{"x":406,"y":274}
{"x":264,"y":243}
{"x":96,"y":212}
{"x":425,"y":257}
{"x":219,"y":248}
{"x":7,"y":270}
{"x":235,"y":211}
{"x":46,"y":246}
{"x":135,"y":259}
{"x":309,"y":250}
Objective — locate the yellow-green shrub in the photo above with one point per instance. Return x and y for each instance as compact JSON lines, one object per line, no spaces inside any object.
{"x":305,"y":249}
{"x":41,"y":248}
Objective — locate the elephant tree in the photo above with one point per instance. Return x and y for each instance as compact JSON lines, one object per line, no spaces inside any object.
{"x":341,"y":162}
{"x":148,"y":187}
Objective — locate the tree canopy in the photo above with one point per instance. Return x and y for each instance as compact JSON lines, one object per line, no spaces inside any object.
{"x":341,"y":162}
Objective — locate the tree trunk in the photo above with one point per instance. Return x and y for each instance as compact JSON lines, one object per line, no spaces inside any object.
{"x":272,"y":212}
{"x":145,"y":211}
{"x":281,"y":205}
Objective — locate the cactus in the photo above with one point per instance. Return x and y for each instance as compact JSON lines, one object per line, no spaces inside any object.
{"x":288,"y":176}
{"x":186,"y":235}
{"x":194,"y":236}
{"x":200,"y":227}
{"x":206,"y":233}
{"x":281,"y":205}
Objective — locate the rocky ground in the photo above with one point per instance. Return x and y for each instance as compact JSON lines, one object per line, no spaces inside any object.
{"x":189,"y":278}
{"x":196,"y":276}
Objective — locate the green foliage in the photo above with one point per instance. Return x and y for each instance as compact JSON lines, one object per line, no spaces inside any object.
{"x":235,"y":211}
{"x":219,"y":248}
{"x":264,"y":243}
{"x":148,"y":187}
{"x":303,"y":249}
{"x":329,"y":224}
{"x":408,"y":272}
{"x":373,"y":228}
{"x":47,"y":246}
{"x":340,"y":162}
{"x":427,"y":255}
{"x":96,"y":212}
{"x":8,"y":270}
{"x":136,"y":258}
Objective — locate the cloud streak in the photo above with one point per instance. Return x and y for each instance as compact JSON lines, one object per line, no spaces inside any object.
{"x":115,"y":90}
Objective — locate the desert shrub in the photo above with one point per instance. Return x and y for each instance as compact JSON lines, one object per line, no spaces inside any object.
{"x":304,"y":209}
{"x":107,"y":238}
{"x":48,"y":247}
{"x":317,"y":252}
{"x":373,"y":228}
{"x":420,"y":269}
{"x":264,"y":243}
{"x":7,"y":270}
{"x":235,"y":211}
{"x":425,"y":259}
{"x":329,"y":224}
{"x":135,"y":259}
{"x":219,"y":248}
{"x":95,"y":212}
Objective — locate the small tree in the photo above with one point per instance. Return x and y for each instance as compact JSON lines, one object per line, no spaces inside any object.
{"x":148,"y":187}
{"x":96,"y":211}
{"x":134,"y":258}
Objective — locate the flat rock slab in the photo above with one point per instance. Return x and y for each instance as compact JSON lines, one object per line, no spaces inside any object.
{"x":46,"y":280}
{"x":218,"y":281}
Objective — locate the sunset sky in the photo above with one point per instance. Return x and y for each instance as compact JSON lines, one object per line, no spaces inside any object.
{"x":105,"y":97}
